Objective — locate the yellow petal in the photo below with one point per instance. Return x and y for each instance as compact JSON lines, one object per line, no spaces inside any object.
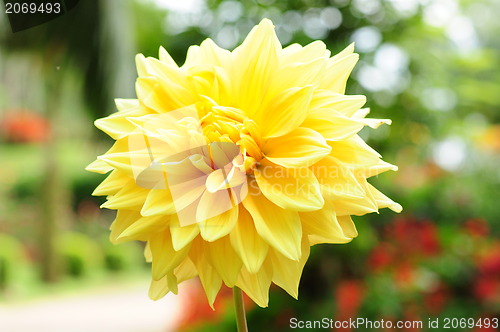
{"x":287,"y":272}
{"x":225,"y":260}
{"x":219,"y":226}
{"x":336,"y":180}
{"x":225,"y":178}
{"x":129,"y":197}
{"x":124,"y":218}
{"x":256,"y":286}
{"x":147,"y":253}
{"x":255,"y":64}
{"x":112,"y":184}
{"x":296,"y":74}
{"x":182,"y":235}
{"x":381,"y":167}
{"x":347,"y":105}
{"x":348,"y":226}
{"x":99,"y":166}
{"x":152,"y":96}
{"x":297,"y":54}
{"x":159,"y":288}
{"x":158,"y":202}
{"x":123,"y":162}
{"x":322,"y":226}
{"x":331,"y":124}
{"x":354,"y":151}
{"x":356,"y":206}
{"x":166,"y":58}
{"x":214,"y":204}
{"x":116,"y":125}
{"x":245,"y":240}
{"x":280,"y":228}
{"x":290,"y":188}
{"x":210,"y":279}
{"x":185,"y":182}
{"x":144,"y":227}
{"x":338,"y":70}
{"x":164,"y":257}
{"x":193,"y":57}
{"x":300,"y":147}
{"x":185,"y":271}
{"x":213,"y":54}
{"x":383,"y":201}
{"x":286,"y":111}
{"x":126,"y":105}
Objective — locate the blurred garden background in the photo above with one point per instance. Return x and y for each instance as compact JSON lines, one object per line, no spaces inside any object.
{"x":432,"y":66}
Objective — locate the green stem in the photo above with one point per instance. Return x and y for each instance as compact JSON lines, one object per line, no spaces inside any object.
{"x":239,"y":308}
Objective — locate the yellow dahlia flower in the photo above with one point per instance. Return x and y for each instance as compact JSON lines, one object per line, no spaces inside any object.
{"x":231,"y":166}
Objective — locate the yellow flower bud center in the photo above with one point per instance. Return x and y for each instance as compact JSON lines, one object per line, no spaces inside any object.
{"x":227,"y":124}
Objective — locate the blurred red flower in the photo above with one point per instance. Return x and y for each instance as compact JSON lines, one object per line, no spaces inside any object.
{"x":349,"y":296}
{"x":24,"y":126}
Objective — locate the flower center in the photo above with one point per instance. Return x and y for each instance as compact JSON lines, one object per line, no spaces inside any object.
{"x":227,"y":124}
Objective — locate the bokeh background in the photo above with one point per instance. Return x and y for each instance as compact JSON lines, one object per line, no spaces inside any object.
{"x":432,"y":66}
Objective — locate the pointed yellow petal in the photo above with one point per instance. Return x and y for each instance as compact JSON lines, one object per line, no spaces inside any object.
{"x":348,"y":226}
{"x":245,"y":240}
{"x":129,"y":197}
{"x":210,"y":279}
{"x":132,"y":164}
{"x":383,"y":201}
{"x":336,"y":180}
{"x":381,"y":167}
{"x":124,"y":218}
{"x":346,"y":105}
{"x":225,"y":260}
{"x":152,"y":96}
{"x":290,"y":279}
{"x":112,"y":184}
{"x":166,"y":58}
{"x":165,"y":258}
{"x":298,"y":74}
{"x":255,"y":64}
{"x":147,"y":253}
{"x":175,"y":85}
{"x":193,"y":56}
{"x":280,"y":228}
{"x":225,"y":178}
{"x":182,"y":235}
{"x":213,"y":54}
{"x":219,"y":226}
{"x":256,"y":286}
{"x":297,"y":54}
{"x":126,"y":105}
{"x":185,"y":271}
{"x":158,"y":202}
{"x":331,"y":124}
{"x":214,"y":204}
{"x":338,"y":70}
{"x":301,"y":147}
{"x":99,"y":166}
{"x":354,"y":151}
{"x":290,"y":188}
{"x":144,"y":227}
{"x":160,"y":288}
{"x":356,"y":206}
{"x":286,"y":111}
{"x":116,"y":125}
{"x":323,"y":226}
